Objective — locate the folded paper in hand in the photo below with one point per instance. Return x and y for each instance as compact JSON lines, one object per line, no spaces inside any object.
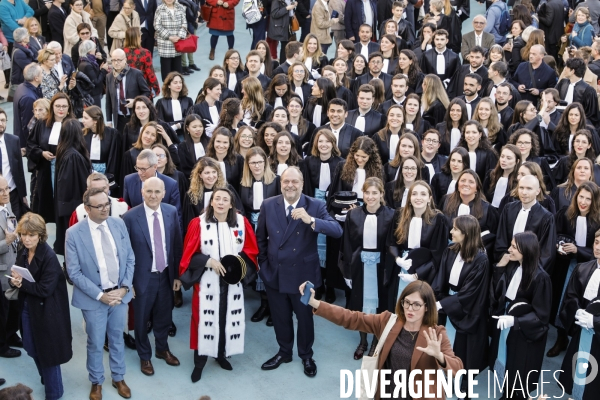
{"x":24,"y":272}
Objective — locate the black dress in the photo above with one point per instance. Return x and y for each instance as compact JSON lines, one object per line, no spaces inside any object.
{"x":130,"y":136}
{"x":164,"y":107}
{"x":311,"y":170}
{"x":187,"y":155}
{"x":110,"y":150}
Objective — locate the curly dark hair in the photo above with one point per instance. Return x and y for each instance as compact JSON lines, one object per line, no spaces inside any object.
{"x":373,"y":168}
{"x":535,"y":141}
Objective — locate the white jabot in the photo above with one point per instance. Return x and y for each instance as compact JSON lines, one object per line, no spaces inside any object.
{"x":440,"y":65}
{"x":324,"y":176}
{"x":370,"y":227}
{"x":278,"y":102}
{"x":431,"y":171}
{"x":247,"y":117}
{"x":569,"y":95}
{"x":55,"y":133}
{"x":177,"y":113}
{"x":581,"y":231}
{"x":317,"y":115}
{"x":404,"y":197}
{"x":451,"y":187}
{"x":514,"y":284}
{"x":521,"y":221}
{"x":410,"y":126}
{"x":570,"y":142}
{"x":456,"y":270}
{"x":95,"y":149}
{"x":469,"y":109}
{"x":257,"y":195}
{"x":199,"y":150}
{"x":414,"y":233}
{"x":360,"y":123}
{"x":394,"y":140}
{"x":386,"y":63}
{"x":207,"y":199}
{"x":308,"y":63}
{"x":493,"y":93}
{"x":364,"y":50}
{"x":359,"y":181}
{"x":298,"y":91}
{"x":501,"y":186}
{"x":294,"y":129}
{"x":336,"y":133}
{"x":463,"y":209}
{"x":214,"y":115}
{"x":485,"y":130}
{"x":281,"y":168}
{"x":454,"y":138}
{"x":591,"y":289}
{"x":473,"y":160}
{"x":222,"y":165}
{"x":262,"y":68}
{"x":428,"y":47}
{"x":232,"y":81}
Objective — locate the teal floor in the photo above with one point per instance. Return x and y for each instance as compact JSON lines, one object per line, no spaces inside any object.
{"x":333,"y":346}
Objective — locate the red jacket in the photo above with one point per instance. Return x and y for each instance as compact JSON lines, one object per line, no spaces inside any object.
{"x":221,"y":18}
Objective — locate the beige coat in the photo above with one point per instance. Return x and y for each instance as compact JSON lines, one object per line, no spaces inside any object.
{"x":321,"y":23}
{"x":119,"y":26}
{"x":340,"y":7}
{"x":70,"y":29}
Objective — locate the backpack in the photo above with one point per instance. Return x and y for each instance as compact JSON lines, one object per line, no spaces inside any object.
{"x":251,"y":12}
{"x":505,"y":21}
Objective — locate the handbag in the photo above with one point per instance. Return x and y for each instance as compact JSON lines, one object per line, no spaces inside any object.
{"x":12,"y":293}
{"x":187,"y":45}
{"x":205,"y":11}
{"x":294,"y":24}
{"x":370,"y":364}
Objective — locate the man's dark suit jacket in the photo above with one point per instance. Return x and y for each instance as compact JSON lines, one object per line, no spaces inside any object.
{"x":15,"y":160}
{"x":25,"y":95}
{"x":56,"y":22}
{"x":146,"y":14}
{"x":135,"y":85}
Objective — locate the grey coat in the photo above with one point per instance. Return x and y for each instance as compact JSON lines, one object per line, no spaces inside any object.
{"x":279,"y":24}
{"x":8,"y":253}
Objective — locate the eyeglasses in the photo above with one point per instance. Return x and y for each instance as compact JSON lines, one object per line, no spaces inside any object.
{"x":434,"y":141}
{"x":416,"y":306}
{"x":142,"y":170}
{"x":256,"y":163}
{"x":84,"y":33}
{"x":100,"y":207}
{"x":161,"y":156}
{"x":298,"y":71}
{"x":5,"y":190}
{"x":61,"y":106}
{"x":246,"y":137}
{"x":409,"y":169}
{"x":519,"y":143}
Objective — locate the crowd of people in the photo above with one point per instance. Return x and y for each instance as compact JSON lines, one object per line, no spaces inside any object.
{"x":449,"y":179}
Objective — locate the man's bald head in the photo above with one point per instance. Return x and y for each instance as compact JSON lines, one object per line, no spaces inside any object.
{"x":528,"y":189}
{"x":153,"y":192}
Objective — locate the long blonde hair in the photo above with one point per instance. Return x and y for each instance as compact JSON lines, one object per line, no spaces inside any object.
{"x":406,"y":214}
{"x":196,"y":191}
{"x":247,"y":177}
{"x":254,"y":99}
{"x":434,"y":90}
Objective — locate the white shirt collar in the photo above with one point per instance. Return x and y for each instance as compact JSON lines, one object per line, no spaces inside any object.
{"x":150,"y":212}
{"x":94,"y":225}
{"x":288,"y":204}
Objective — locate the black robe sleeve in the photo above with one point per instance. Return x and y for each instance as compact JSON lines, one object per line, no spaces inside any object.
{"x":71,"y":177}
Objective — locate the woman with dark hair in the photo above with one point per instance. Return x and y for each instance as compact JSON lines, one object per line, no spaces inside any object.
{"x":481,"y":154}
{"x":487,"y":115}
{"x":530,"y":168}
{"x":389,"y":50}
{"x":298,"y":76}
{"x":582,"y":170}
{"x":396,"y":191}
{"x":512,"y":51}
{"x":529,"y":145}
{"x":143,"y":111}
{"x":408,"y":145}
{"x":208,"y":106}
{"x":429,"y":153}
{"x":283,"y":153}
{"x":41,"y":156}
{"x":379,"y":93}
{"x":84,"y":31}
{"x":175,"y":103}
{"x":342,"y":92}
{"x":279,"y":91}
{"x":444,"y":182}
{"x":390,"y":27}
{"x":140,"y":58}
{"x":231,"y":117}
{"x":451,"y":127}
{"x":73,"y":166}
{"x":408,"y":64}
{"x":576,"y":227}
{"x":388,"y":138}
{"x":581,"y":147}
{"x":166,"y":167}
{"x":194,"y":144}
{"x":363,"y":257}
{"x":221,"y":149}
{"x":203,"y":248}
{"x":258,"y":184}
{"x":323,"y":91}
{"x":297,"y":123}
{"x":520,"y":299}
{"x":103,"y":142}
{"x":359,"y":68}
{"x":218,"y":72}
{"x":413,"y":120}
{"x":521,"y":13}
{"x":266,"y":134}
{"x":234,"y":71}
{"x":424,"y":40}
{"x":254,"y":106}
{"x":418,"y":225}
{"x":461,"y":288}
{"x":268,"y":65}
{"x":499,"y":181}
{"x":571,"y":121}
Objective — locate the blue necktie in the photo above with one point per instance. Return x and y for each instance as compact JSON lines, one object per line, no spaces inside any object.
{"x":289,"y":216}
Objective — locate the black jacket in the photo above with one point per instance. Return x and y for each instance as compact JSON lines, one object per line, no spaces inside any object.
{"x":96,"y":74}
{"x":56,"y":21}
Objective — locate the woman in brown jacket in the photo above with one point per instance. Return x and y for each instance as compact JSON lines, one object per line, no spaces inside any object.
{"x":415,"y":341}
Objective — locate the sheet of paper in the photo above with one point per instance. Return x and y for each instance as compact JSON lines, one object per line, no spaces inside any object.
{"x":24,"y":272}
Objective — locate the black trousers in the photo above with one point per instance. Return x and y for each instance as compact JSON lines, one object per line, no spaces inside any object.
{"x":110,"y":18}
{"x":283,"y":306}
{"x":16,"y":203}
{"x":148,"y":40}
{"x":9,"y":320}
{"x":200,"y":361}
{"x":155,"y":301}
{"x":168,"y":65}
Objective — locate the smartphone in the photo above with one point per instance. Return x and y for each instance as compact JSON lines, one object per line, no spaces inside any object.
{"x":74,"y":75}
{"x":306,"y":296}
{"x":335,"y":14}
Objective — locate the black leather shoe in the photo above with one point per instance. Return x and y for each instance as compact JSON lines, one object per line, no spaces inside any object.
{"x":129,"y":341}
{"x":269,"y":321}
{"x":185,"y":71}
{"x":11,"y":353}
{"x":275,"y":362}
{"x":15,"y":341}
{"x":310,"y":368}
{"x":177,"y":299}
{"x":260,"y":314}
{"x":330,"y":295}
{"x":194,"y":67}
{"x":226,"y":365}
{"x":2,"y":381}
{"x":173,"y":330}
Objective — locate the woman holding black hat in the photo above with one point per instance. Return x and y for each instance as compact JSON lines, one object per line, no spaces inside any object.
{"x":217,"y":233}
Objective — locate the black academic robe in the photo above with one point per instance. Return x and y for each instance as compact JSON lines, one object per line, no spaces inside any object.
{"x":234,"y":171}
{"x":506,"y":116}
{"x":547,"y":203}
{"x":226,"y":94}
{"x":373,"y":121}
{"x":434,"y":237}
{"x":429,"y":63}
{"x":187,"y":155}
{"x":423,"y":127}
{"x":350,"y":253}
{"x":306,"y":93}
{"x":389,"y":195}
{"x":264,"y":83}
{"x":190,"y":210}
{"x":183,"y":183}
{"x":561,"y":143}
{"x":416,"y":86}
{"x":486,"y":90}
{"x":202,"y":109}
{"x":110,"y":150}
{"x":309,"y":111}
{"x":468,"y":308}
{"x":500,"y":140}
{"x":366,"y":78}
{"x":164,"y":107}
{"x":304,"y":136}
{"x":584,"y":94}
{"x":372,"y":46}
{"x":247,"y":195}
{"x":390,"y":172}
{"x":346,"y":94}
{"x":437,"y":162}
{"x":473,"y":104}
{"x":562,"y":169}
{"x":130,"y":135}
{"x":435,"y":113}
{"x":456,"y":85}
{"x":383,"y":146}
{"x":386,"y":105}
{"x":311,"y":170}
{"x":392,"y":63}
{"x":573,"y":301}
{"x":485,"y":160}
{"x":539,"y":221}
{"x":239,"y":75}
{"x":526,"y":341}
{"x":264,"y":117}
{"x":444,"y":149}
{"x":348,"y":134}
{"x":488,"y":191}
{"x":561,"y":197}
{"x":318,"y":64}
{"x":129,"y":159}
{"x":440,"y":183}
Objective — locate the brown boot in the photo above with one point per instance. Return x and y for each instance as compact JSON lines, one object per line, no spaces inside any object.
{"x":211,"y":56}
{"x":122,"y":389}
{"x":96,"y":392}
{"x":562,"y":341}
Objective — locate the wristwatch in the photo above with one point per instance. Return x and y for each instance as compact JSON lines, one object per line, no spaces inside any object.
{"x":126,"y":288}
{"x":312,"y":223}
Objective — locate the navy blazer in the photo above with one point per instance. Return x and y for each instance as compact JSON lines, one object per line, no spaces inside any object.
{"x":354,"y":15}
{"x":139,"y":234}
{"x":15,"y":160}
{"x":146,"y":14}
{"x":288,"y":253}
{"x":132,"y":192}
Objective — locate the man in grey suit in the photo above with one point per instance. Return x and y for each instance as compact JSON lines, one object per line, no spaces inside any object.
{"x":100,"y":261}
{"x":477,"y":37}
{"x":9,"y":314}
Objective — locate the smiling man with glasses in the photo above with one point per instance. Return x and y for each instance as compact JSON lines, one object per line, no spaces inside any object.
{"x":477,"y":37}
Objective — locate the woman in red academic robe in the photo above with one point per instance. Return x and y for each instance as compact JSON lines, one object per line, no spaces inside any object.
{"x":217,"y":327}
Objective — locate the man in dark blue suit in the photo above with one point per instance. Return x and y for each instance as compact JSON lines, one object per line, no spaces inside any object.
{"x":145,"y":164}
{"x":288,"y":226}
{"x":146,"y":10}
{"x":25,"y":95}
{"x":156,"y":241}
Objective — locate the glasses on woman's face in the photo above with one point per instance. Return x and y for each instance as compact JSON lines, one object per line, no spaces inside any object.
{"x":430,"y":141}
{"x":409,"y":169}
{"x":256,"y":163}
{"x":61,"y":106}
{"x":161,"y":156}
{"x":416,"y":306}
{"x":246,"y":137}
{"x":84,"y":33}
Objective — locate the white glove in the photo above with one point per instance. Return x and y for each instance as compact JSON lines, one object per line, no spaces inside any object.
{"x":176,"y":126}
{"x":210,"y":127}
{"x":311,"y":82}
{"x":438,"y":305}
{"x":404,"y":263}
{"x":315,"y":74}
{"x":584,"y":319}
{"x":408,"y":278}
{"x":445,"y":82}
{"x":505,"y":321}
{"x":348,"y":282}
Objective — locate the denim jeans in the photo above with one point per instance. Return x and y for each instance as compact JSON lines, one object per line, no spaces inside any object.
{"x":51,"y":375}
